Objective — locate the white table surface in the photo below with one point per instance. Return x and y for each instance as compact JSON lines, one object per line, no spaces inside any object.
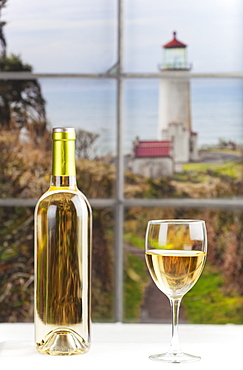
{"x":116,"y":346}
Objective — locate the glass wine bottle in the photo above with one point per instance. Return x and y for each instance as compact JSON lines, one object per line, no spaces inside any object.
{"x":62,"y":256}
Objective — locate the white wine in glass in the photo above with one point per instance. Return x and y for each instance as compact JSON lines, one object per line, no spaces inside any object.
{"x":175,"y":253}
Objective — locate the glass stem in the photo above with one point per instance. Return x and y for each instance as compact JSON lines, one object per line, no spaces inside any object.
{"x":174,"y":343}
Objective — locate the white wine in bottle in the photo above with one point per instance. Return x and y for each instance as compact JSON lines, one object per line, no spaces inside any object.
{"x":62,"y":256}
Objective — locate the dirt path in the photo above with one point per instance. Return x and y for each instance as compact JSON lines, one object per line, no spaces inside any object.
{"x":156,"y":306}
{"x":219,"y":157}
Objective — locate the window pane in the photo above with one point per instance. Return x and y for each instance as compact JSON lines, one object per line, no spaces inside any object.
{"x":212,"y":32}
{"x":199,"y":157}
{"x":217,"y":296}
{"x":17,"y":259}
{"x":74,"y":36}
{"x":87,"y":105}
{"x":16,"y":264}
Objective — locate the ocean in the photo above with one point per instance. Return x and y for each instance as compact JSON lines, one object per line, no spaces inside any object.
{"x":88,"y":104}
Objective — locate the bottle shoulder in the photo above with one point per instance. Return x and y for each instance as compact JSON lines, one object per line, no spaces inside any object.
{"x":58,"y":196}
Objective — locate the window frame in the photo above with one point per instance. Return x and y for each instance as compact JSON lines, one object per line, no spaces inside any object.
{"x":119,"y":203}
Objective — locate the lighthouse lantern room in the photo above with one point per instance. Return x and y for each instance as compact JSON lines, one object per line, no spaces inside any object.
{"x":175,"y":55}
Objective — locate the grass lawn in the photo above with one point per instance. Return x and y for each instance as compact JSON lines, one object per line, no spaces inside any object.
{"x":230,"y":169}
{"x":206,"y":303}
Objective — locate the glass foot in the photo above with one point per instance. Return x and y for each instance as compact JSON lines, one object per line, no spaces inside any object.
{"x":177,"y":358}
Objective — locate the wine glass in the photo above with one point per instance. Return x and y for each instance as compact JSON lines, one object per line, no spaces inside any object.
{"x":175,"y":253}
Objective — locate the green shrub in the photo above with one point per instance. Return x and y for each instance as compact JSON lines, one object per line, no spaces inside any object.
{"x":206,"y":302}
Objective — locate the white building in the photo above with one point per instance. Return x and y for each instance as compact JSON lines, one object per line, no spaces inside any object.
{"x":152,"y":158}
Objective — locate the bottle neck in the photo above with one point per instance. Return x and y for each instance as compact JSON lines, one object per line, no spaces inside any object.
{"x":63,"y":182}
{"x":63,"y":163}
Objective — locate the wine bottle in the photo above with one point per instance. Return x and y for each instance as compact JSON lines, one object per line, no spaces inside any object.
{"x":62,"y":256}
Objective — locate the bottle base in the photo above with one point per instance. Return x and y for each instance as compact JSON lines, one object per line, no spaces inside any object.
{"x":63,"y":342}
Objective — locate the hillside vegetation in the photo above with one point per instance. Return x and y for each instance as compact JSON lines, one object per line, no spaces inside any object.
{"x":24,"y":173}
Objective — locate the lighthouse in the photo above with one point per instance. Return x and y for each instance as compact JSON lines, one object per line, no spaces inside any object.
{"x":176,"y":143}
{"x":175,"y":103}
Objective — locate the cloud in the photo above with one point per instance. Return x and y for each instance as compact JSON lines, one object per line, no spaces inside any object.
{"x":83,"y":33}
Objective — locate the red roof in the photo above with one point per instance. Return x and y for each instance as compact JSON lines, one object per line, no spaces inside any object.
{"x":153,"y":149}
{"x":174,"y":43}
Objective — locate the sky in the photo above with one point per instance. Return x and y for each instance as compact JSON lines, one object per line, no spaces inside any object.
{"x":79,"y":36}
